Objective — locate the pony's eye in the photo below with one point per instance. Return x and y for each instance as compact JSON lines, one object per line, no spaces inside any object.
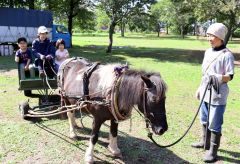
{"x":154,"y":98}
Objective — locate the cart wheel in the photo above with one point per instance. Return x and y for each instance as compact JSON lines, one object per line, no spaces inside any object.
{"x":24,"y":108}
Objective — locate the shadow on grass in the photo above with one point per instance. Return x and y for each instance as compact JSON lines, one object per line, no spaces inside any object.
{"x":159,"y":54}
{"x":97,"y":53}
{"x":134,"y":150}
{"x":162,"y":37}
{"x":235,"y":156}
{"x":94,"y":52}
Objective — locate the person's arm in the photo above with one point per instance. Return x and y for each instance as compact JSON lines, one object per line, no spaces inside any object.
{"x":27,"y":65}
{"x":35,"y":49}
{"x":226,"y":78}
{"x":229,"y":69}
{"x":67,"y":54}
{"x":17,"y":57}
{"x":237,"y":62}
{"x":57,"y":56}
{"x":51,"y":49}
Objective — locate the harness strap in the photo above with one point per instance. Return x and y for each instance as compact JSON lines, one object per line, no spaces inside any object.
{"x":86,"y":77}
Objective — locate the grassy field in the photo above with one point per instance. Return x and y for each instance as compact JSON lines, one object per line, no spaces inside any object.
{"x":178,"y":61}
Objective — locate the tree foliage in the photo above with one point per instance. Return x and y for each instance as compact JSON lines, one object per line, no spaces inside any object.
{"x":176,"y":14}
{"x":122,"y":9}
{"x":102,"y":19}
{"x":225,"y":11}
{"x":17,"y":3}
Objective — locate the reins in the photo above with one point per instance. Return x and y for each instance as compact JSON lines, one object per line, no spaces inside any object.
{"x":46,"y":76}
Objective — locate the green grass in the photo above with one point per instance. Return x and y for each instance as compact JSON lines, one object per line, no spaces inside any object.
{"x":178,"y":61}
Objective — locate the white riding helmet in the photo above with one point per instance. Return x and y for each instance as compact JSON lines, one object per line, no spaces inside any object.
{"x":42,"y":29}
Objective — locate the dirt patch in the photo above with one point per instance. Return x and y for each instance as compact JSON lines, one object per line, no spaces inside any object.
{"x":12,"y":72}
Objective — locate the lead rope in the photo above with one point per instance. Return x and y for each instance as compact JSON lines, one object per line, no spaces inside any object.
{"x":150,"y":134}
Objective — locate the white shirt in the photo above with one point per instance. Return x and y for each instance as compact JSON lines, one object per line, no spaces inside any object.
{"x":221,"y":63}
{"x":61,"y":56}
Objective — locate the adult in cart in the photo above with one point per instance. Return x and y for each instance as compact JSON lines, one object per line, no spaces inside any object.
{"x":217,"y":69}
{"x":44,"y":52}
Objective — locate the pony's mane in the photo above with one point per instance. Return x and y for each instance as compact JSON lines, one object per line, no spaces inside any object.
{"x":132,"y":87}
{"x":133,"y":72}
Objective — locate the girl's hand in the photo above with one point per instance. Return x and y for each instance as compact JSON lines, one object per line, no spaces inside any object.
{"x":58,"y":57}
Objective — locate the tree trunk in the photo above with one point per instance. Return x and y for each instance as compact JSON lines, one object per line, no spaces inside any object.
{"x":111,"y":31}
{"x":228,"y":35}
{"x":194,"y":29}
{"x":230,"y":28}
{"x":122,"y":29}
{"x":158,"y":29}
{"x":167,"y":28}
{"x":70,"y":20}
{"x":182,"y":32}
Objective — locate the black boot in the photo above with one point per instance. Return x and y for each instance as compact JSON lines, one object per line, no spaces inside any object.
{"x":211,"y":155}
{"x":202,"y":142}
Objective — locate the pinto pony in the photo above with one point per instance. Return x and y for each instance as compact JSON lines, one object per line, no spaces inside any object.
{"x":120,"y":91}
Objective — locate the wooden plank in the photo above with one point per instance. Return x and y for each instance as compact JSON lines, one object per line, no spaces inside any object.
{"x":36,"y":84}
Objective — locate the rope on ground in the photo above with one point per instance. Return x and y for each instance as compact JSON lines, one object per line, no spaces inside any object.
{"x":53,"y":114}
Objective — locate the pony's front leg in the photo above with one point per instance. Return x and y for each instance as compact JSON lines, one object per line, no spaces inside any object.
{"x":93,"y":140}
{"x":72,"y":123}
{"x":113,"y":146}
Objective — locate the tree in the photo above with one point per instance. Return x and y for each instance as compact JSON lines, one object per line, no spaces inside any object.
{"x":163,"y":12}
{"x":225,"y":11}
{"x":102,"y":19}
{"x":121,"y":9}
{"x":86,"y":21}
{"x":175,"y":13}
{"x":68,"y":10}
{"x":142,"y":23}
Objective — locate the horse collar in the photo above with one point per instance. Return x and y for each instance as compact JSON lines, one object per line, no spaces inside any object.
{"x":114,"y":102}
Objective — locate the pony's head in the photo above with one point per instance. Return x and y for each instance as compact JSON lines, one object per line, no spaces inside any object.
{"x":154,"y":105}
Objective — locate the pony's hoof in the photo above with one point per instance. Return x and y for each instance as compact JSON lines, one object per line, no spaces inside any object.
{"x":116,"y":152}
{"x":73,"y":137}
{"x":89,"y":159}
{"x":77,"y":127}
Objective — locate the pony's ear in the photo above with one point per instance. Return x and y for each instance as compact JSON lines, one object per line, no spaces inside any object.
{"x":147,"y":81}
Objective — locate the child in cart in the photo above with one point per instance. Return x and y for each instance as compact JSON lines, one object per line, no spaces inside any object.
{"x":23,"y":58}
{"x":61,"y":53}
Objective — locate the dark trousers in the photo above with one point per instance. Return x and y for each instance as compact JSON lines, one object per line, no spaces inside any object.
{"x":48,"y":67}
